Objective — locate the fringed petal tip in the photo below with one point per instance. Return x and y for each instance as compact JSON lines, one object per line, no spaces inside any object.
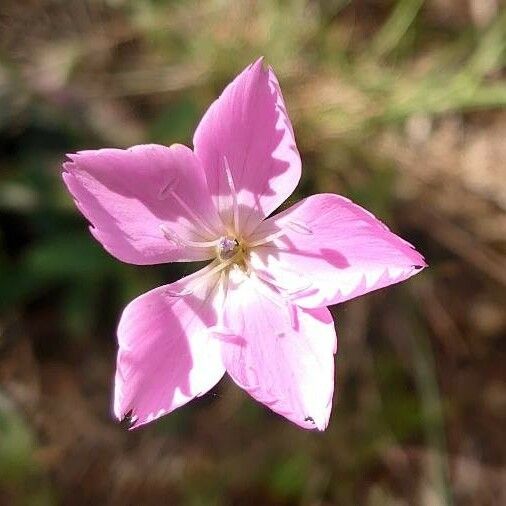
{"x":166,"y":357}
{"x":286,"y":357}
{"x":128,"y":195}
{"x":131,"y":422}
{"x":347,"y":254}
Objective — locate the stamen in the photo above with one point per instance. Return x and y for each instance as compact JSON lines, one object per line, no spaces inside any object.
{"x":233,"y":192}
{"x":292,"y":311}
{"x":290,"y":292}
{"x":278,"y":299}
{"x":181,"y":241}
{"x":267,"y":239}
{"x":223,"y":334}
{"x":191,"y":213}
{"x":224,"y":278}
{"x":218,"y":268}
{"x":165,"y":190}
{"x":269,"y":292}
{"x":182,"y":293}
{"x":222,"y":289}
{"x":294,"y":226}
{"x":299,"y":227}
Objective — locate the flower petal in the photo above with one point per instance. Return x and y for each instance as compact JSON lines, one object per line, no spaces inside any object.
{"x":129,"y":194}
{"x":166,"y":355}
{"x":247,"y":129}
{"x":282,"y":355}
{"x":332,"y":250}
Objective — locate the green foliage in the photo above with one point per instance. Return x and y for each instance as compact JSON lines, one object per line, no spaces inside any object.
{"x":288,"y":476}
{"x":20,"y":474}
{"x":16,"y":447}
{"x":176,"y":122}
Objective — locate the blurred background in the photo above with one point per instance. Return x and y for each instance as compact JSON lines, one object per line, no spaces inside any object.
{"x":397,"y":104}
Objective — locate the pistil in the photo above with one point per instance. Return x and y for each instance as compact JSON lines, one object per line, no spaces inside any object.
{"x":227,"y":247}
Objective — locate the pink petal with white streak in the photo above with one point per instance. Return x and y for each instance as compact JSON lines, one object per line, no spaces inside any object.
{"x":332,"y":250}
{"x":248,"y":128}
{"x":282,"y":355}
{"x":166,"y":355}
{"x":129,"y":194}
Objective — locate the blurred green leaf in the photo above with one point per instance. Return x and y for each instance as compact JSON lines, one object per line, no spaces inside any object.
{"x":19,"y":471}
{"x":176,"y":123}
{"x":288,"y":476}
{"x":396,"y":27}
{"x":16,"y":446}
{"x":75,"y":257}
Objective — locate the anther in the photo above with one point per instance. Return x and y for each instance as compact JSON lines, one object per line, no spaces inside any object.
{"x":167,"y":188}
{"x":183,"y":293}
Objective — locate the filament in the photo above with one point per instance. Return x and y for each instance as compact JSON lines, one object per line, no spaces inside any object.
{"x":219,"y":268}
{"x":190,"y":212}
{"x":182,"y":293}
{"x":277,"y":298}
{"x":233,"y":192}
{"x":177,"y":239}
{"x":299,"y":227}
{"x":268,"y":238}
{"x":290,"y":292}
{"x":294,"y":226}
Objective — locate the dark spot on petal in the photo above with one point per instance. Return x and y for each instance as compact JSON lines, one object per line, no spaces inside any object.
{"x":127,"y":420}
{"x":309,"y":419}
{"x":418,"y":266}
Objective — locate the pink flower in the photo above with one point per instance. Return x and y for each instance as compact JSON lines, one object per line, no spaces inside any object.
{"x":258,"y":309}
